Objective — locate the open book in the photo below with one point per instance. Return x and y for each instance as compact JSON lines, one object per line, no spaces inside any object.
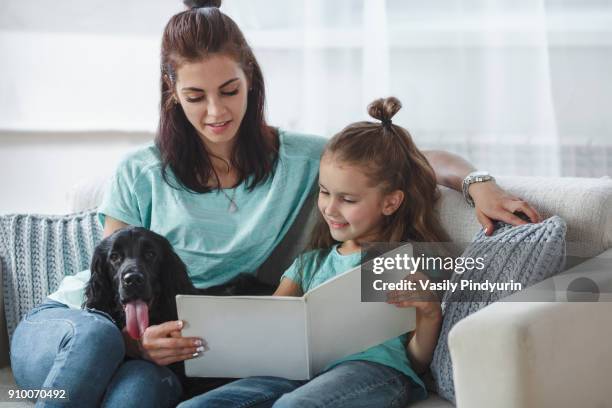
{"x":289,"y":337}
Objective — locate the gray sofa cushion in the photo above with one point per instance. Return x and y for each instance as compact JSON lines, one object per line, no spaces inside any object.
{"x":37,"y":251}
{"x":526,"y":254}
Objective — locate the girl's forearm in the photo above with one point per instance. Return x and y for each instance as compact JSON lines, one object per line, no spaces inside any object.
{"x":450,"y":168}
{"x":288,"y":287}
{"x":423,"y":343}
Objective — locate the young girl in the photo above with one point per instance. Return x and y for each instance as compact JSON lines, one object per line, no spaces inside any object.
{"x":374,"y":186}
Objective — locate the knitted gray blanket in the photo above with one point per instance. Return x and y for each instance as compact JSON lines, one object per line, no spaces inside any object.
{"x":37,"y":251}
{"x":527,"y":254}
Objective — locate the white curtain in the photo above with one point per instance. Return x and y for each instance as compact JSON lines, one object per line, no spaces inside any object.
{"x":516,"y":86}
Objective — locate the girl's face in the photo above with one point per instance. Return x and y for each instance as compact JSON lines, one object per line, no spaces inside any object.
{"x":353,"y":209}
{"x":213,"y":94}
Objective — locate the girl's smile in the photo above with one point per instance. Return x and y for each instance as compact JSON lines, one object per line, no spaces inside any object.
{"x":336,"y":225}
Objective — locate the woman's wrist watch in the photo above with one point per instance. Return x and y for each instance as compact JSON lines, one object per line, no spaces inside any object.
{"x":477,"y":176}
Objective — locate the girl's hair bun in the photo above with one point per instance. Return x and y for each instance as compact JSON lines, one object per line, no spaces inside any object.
{"x":383,"y":109}
{"x":201,"y":3}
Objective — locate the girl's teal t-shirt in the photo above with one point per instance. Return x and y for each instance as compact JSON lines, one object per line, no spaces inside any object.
{"x":215,"y":244}
{"x":314,"y":268}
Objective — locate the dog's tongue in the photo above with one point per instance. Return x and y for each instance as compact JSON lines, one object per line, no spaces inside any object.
{"x":136,"y":318}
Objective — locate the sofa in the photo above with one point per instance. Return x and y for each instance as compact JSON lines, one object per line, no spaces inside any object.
{"x":535,"y":348}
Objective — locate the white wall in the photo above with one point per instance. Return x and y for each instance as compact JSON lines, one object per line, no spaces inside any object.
{"x":39,"y":170}
{"x":77,"y":76}
{"x":78,"y":90}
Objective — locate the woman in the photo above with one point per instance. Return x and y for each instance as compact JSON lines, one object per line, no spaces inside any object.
{"x":222,"y":186}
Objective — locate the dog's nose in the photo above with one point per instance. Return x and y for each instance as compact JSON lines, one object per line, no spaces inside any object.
{"x":133,"y":279}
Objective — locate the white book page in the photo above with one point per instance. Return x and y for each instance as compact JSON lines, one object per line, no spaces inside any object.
{"x":341,"y":325}
{"x":246,"y":335}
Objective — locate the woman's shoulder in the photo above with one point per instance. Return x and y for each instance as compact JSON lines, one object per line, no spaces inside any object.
{"x":144,"y":155}
{"x":139,"y":161}
{"x":296,"y":144}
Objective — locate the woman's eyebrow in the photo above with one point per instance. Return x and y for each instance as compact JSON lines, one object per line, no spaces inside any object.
{"x":194,"y":89}
{"x":228,"y":82}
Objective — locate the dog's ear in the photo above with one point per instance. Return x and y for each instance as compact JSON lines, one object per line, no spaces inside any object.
{"x":173,"y":279}
{"x":99,"y":292}
{"x":173,"y":272}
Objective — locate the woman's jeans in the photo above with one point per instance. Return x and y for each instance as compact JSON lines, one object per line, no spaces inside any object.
{"x":82,"y":353}
{"x":352,"y":384}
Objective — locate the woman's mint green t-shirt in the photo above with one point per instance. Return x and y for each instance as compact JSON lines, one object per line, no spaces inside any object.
{"x":310,"y":270}
{"x":215,"y":244}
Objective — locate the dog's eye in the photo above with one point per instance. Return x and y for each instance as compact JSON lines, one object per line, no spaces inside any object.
{"x":114,"y":257}
{"x":149,"y":255}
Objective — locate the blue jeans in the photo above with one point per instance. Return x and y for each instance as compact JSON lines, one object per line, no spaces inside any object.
{"x":352,"y":384}
{"x":82,"y":352}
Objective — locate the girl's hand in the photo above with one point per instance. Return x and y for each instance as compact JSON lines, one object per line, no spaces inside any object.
{"x":493,"y":203}
{"x":163,"y":344}
{"x":426,"y":302}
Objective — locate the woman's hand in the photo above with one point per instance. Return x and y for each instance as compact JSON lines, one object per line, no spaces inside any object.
{"x":163,"y":344}
{"x":493,"y":203}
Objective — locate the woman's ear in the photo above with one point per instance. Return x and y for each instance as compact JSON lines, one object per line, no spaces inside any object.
{"x":392,"y":202}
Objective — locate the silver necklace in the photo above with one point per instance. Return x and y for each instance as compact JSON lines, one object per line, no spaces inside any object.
{"x":232,"y":206}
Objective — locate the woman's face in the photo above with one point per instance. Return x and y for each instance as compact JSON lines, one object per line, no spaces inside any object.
{"x":213,"y":95}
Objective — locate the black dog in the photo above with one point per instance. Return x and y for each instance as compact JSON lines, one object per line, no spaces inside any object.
{"x":135,"y":276}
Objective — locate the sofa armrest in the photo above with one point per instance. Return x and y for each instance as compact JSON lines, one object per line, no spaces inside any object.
{"x":533,"y":354}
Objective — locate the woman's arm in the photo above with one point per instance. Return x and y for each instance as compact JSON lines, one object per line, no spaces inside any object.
{"x":450,"y":168}
{"x":492,"y":202}
{"x":111,"y":225}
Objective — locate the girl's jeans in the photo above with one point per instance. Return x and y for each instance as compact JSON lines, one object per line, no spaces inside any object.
{"x":352,"y":384}
{"x":81,"y":352}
